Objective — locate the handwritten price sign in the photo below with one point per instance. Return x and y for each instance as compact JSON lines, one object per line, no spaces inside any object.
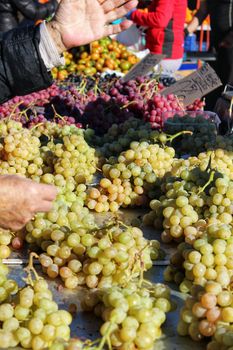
{"x":143,"y":67}
{"x":196,"y":85}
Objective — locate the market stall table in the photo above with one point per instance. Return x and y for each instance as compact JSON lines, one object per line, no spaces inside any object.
{"x":86,"y":325}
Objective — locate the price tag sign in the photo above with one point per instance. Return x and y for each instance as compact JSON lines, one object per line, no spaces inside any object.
{"x":143,"y":67}
{"x":194,"y":86}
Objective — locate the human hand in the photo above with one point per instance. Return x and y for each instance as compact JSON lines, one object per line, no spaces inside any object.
{"x":192,"y":26}
{"x":21,"y":199}
{"x":79,"y":22}
{"x":227,"y":42}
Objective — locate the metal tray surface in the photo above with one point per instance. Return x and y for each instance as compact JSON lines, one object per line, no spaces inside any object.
{"x":86,"y":325}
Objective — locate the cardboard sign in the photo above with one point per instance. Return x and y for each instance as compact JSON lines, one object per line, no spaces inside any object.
{"x":194,"y":86}
{"x":143,"y":67}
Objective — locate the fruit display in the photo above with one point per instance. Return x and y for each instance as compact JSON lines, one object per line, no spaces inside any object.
{"x":204,"y":310}
{"x":218,"y":158}
{"x":129,"y":179}
{"x":98,"y":257}
{"x":145,"y":191}
{"x":222,"y":338}
{"x":103,"y":55}
{"x":203,"y":131}
{"x":95,"y":103}
{"x":119,"y":136}
{"x":132,"y":316}
{"x":30,"y":318}
{"x":207,"y":260}
{"x":187,"y":200}
{"x":67,"y":157}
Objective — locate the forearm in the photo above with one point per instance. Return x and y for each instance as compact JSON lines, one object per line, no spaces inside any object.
{"x":202,"y":13}
{"x":199,"y":17}
{"x":22,"y":68}
{"x":27,"y":53}
{"x":193,"y":25}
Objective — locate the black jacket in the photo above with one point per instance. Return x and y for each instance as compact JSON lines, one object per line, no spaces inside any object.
{"x":22,"y":70}
{"x":192,"y":4}
{"x":30,"y":9}
{"x":221,"y":16}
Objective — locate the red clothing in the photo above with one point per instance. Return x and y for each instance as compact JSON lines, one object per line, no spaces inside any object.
{"x":165,"y":22}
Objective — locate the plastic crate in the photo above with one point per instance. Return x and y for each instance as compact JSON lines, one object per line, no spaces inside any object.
{"x":190,"y":43}
{"x":193,"y":120}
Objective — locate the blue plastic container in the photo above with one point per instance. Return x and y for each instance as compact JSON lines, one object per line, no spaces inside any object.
{"x":118,"y":21}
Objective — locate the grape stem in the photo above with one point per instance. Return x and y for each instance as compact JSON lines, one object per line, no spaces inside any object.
{"x":14,"y":109}
{"x":30,"y":268}
{"x":172,"y":137}
{"x":138,"y":258}
{"x":56,"y":114}
{"x":154,"y":88}
{"x":180,"y":104}
{"x":96,"y":87}
{"x":142,"y":266}
{"x":211,"y":179}
{"x":122,"y":224}
{"x":106,"y":338}
{"x":128,"y":104}
{"x":36,"y":126}
{"x":83,"y":88}
{"x":24,"y":112}
{"x":109,"y":343}
{"x":211,"y":156}
{"x":147,"y":84}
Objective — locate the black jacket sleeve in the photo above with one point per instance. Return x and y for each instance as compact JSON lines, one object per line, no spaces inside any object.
{"x":192,"y":4}
{"x":202,"y":13}
{"x":22,"y":69}
{"x":34,"y":10}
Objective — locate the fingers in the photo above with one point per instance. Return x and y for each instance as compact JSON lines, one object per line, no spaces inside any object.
{"x":13,"y":226}
{"x":117,"y":28}
{"x":120,"y":12}
{"x":18,"y":222}
{"x":46,"y":192}
{"x":44,"y":207}
{"x":23,"y":199}
{"x":110,"y":5}
{"x":42,"y":197}
{"x":49,"y":192}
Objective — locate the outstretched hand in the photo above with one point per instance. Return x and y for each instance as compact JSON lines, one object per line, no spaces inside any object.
{"x":79,"y":22}
{"x":21,"y":199}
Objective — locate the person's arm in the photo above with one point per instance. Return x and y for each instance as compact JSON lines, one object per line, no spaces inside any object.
{"x":199,"y":17}
{"x":32,"y":9}
{"x":158,"y":18}
{"x":21,"y":199}
{"x":26,"y":56}
{"x":22,"y":69}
